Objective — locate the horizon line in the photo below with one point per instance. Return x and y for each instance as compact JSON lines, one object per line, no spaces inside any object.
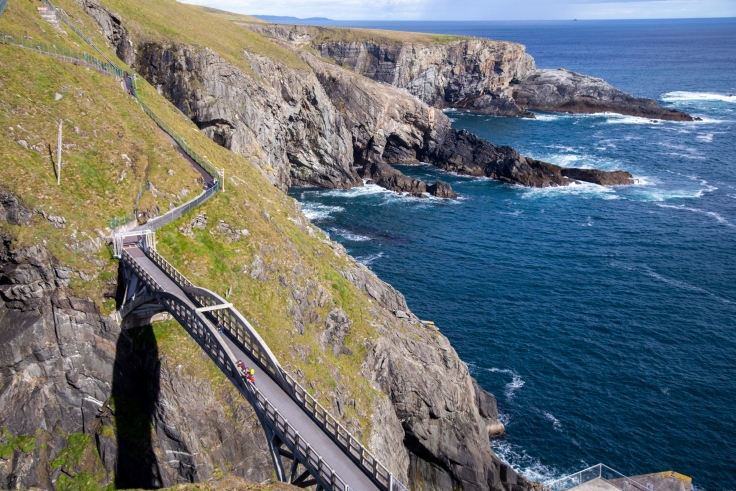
{"x":485,"y":20}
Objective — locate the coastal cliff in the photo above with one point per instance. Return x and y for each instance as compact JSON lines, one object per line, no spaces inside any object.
{"x":479,"y":75}
{"x":320,"y":124}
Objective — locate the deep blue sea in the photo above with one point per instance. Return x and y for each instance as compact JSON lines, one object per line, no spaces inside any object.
{"x":604,"y":319}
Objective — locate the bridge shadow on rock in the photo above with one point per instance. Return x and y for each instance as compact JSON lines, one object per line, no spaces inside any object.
{"x":135,"y":390}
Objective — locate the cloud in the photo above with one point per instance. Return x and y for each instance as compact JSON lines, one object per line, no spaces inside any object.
{"x":478,"y":9}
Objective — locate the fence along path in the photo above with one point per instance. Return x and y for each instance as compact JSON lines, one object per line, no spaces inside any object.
{"x":351,"y":455}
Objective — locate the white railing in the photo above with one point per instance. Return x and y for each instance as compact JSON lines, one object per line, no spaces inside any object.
{"x":598,"y":471}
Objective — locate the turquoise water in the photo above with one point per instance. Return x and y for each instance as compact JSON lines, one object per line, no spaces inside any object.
{"x":602,"y":318}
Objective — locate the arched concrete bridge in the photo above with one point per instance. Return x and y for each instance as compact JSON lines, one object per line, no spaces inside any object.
{"x":308,"y":446}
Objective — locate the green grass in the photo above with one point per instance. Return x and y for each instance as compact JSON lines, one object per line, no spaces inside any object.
{"x":100,"y":124}
{"x":390,"y":38}
{"x":90,"y":196}
{"x":169,"y":22}
{"x":22,"y":443}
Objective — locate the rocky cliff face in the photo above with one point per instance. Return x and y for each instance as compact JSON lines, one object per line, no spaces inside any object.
{"x":281,"y":120}
{"x":480,"y":75}
{"x":470,"y":74}
{"x":565,"y":91}
{"x":82,"y":401}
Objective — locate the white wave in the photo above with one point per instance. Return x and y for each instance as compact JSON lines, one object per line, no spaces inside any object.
{"x":504,"y":418}
{"x":684,"y":285}
{"x":453,"y":120}
{"x":697,"y":96}
{"x":711,"y":214}
{"x":348,"y":235}
{"x":369,"y":259}
{"x":589,"y":223}
{"x":613,"y":118}
{"x":584,"y":189}
{"x":665,"y":391}
{"x":516,"y":381}
{"x":514,"y":213}
{"x":358,"y":192}
{"x":706,"y":138}
{"x":317,"y":211}
{"x":555,"y":422}
{"x":523,"y":463}
{"x":543,"y":117}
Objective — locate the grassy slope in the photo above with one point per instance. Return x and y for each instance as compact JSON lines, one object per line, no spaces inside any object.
{"x":210,"y":261}
{"x":341,"y":34}
{"x":167,"y":21}
{"x":101,"y":124}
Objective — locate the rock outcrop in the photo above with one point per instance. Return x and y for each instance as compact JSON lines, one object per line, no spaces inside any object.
{"x":565,"y":91}
{"x":479,"y":75}
{"x":81,"y":399}
{"x":464,"y":153}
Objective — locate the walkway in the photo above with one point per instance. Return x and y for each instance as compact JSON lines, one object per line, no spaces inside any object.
{"x":289,"y":409}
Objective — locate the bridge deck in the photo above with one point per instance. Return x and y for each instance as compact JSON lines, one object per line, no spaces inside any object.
{"x":299,"y":419}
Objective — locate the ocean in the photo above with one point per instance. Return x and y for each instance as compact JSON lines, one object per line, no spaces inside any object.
{"x":603,"y":319}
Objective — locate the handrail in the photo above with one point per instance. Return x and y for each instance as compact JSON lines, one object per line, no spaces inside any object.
{"x":69,"y":55}
{"x":61,"y":15}
{"x":598,"y":471}
{"x":204,"y":333}
{"x":239,"y":330}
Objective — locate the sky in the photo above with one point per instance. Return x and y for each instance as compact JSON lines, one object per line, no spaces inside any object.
{"x":479,"y":9}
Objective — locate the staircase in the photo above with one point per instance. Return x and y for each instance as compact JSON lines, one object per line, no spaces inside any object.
{"x":50,"y":16}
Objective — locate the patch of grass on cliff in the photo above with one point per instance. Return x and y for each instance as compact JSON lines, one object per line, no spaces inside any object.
{"x":9,"y":443}
{"x":169,"y":22}
{"x":111,"y":149}
{"x":231,"y":483}
{"x":81,"y":465}
{"x":391,"y":38}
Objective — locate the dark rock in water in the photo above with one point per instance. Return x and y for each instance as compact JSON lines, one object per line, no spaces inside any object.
{"x":464,"y":153}
{"x":565,"y":91}
{"x":382,"y":174}
{"x":441,"y":189}
{"x":614,"y":178}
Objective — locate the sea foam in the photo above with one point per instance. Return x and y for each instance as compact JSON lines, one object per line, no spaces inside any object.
{"x":679,"y":96}
{"x":523,"y":463}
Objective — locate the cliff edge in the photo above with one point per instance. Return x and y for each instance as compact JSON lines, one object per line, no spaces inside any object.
{"x":479,"y":75}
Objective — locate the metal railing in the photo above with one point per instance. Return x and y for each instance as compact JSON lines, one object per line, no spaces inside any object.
{"x":197,"y":325}
{"x":247,"y":339}
{"x":598,"y":471}
{"x":206,"y":165}
{"x":61,"y":15}
{"x":3,"y":4}
{"x":69,"y":55}
{"x":179,"y":211}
